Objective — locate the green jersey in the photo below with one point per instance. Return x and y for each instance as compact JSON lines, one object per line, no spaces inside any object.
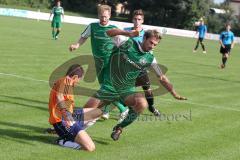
{"x":101,"y":43}
{"x":126,"y":63}
{"x":57,"y":12}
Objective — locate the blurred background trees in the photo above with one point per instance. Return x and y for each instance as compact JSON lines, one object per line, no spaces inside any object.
{"x":167,"y":13}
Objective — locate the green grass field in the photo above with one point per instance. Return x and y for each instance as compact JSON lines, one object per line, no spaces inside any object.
{"x":208,"y":128}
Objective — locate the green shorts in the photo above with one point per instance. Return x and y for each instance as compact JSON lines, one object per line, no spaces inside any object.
{"x":108,"y":94}
{"x":56,"y":24}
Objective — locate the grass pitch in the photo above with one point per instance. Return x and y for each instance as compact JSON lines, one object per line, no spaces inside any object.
{"x":205,"y":127}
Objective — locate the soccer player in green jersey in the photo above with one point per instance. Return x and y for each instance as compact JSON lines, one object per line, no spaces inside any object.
{"x":127,"y":60}
{"x":57,"y":12}
{"x":102,"y":46}
{"x":143,"y":79}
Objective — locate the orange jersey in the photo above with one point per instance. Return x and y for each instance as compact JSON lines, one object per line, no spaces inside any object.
{"x":61,"y":88}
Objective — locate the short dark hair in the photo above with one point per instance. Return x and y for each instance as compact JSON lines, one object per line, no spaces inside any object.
{"x":138,"y":12}
{"x":75,"y":69}
{"x":228,"y":24}
{"x":152,"y":33}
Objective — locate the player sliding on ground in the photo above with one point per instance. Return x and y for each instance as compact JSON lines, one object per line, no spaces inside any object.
{"x":70,"y":128}
{"x":127,"y":60}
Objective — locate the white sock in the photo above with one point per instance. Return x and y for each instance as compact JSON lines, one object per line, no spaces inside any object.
{"x":88,"y":124}
{"x":69,"y":144}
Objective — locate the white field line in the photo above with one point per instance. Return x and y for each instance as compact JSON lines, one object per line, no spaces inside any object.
{"x":164,"y":99}
{"x":23,"y":77}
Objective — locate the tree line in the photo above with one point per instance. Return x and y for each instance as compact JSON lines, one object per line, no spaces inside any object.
{"x":167,"y":13}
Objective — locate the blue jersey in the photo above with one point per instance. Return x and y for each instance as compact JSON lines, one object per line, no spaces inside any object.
{"x":139,"y":38}
{"x":202,"y":29}
{"x":227,"y":37}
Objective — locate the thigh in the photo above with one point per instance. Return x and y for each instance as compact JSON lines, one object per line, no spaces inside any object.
{"x":91,"y":114}
{"x":137,"y":101}
{"x":93,"y":103}
{"x":53,"y":24}
{"x":58,"y":25}
{"x":85,"y":140}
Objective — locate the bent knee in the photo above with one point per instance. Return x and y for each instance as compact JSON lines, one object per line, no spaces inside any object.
{"x":90,"y":147}
{"x":141,"y":106}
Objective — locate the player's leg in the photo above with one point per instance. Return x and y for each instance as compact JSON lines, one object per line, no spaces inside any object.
{"x":85,"y":141}
{"x":225,"y":54}
{"x":143,"y":80}
{"x":196,"y":47}
{"x":53,"y":25}
{"x":58,"y":27}
{"x":137,"y":103}
{"x":203,"y":46}
{"x":123,"y":110}
{"x":65,"y":137}
{"x":224,"y":60}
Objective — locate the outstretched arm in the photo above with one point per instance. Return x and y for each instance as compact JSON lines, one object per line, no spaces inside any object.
{"x":78,"y":44}
{"x":164,"y":80}
{"x":116,"y":32}
{"x":84,"y":36}
{"x":166,"y":83}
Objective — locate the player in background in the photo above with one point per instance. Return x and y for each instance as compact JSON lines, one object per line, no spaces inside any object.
{"x":226,"y":40}
{"x":68,"y":125}
{"x":57,"y":12}
{"x":143,"y":79}
{"x":201,"y":31}
{"x":101,"y":45}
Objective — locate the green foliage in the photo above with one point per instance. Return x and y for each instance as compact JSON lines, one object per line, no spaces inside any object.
{"x":30,"y":3}
{"x":171,"y":13}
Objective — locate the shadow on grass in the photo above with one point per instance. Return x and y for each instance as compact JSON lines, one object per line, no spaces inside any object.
{"x":24,"y":133}
{"x":25,"y":102}
{"x":99,"y":140}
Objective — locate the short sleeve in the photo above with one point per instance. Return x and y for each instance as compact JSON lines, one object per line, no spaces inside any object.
{"x":87,"y":32}
{"x":156,"y":67}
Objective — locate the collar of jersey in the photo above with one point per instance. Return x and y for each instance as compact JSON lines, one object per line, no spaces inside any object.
{"x":102,"y":25}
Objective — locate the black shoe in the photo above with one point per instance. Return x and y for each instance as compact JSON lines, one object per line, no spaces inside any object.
{"x":116,"y":133}
{"x":154,"y":111}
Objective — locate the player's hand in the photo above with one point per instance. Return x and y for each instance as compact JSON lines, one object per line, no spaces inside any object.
{"x":73,"y":47}
{"x":223,"y":46}
{"x":134,"y":33}
{"x":178,"y":97}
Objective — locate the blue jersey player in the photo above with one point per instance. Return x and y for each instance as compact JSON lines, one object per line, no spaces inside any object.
{"x":201,"y":30}
{"x":226,"y":40}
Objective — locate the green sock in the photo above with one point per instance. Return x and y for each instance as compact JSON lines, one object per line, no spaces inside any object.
{"x":106,"y":109}
{"x":53,"y":33}
{"x":132,"y":116}
{"x":120,"y":106}
{"x":57,"y":33}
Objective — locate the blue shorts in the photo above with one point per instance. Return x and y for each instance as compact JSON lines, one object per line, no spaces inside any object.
{"x":69,"y":134}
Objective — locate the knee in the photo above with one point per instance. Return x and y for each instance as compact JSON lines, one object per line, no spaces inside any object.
{"x":141,"y":106}
{"x":90,"y":147}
